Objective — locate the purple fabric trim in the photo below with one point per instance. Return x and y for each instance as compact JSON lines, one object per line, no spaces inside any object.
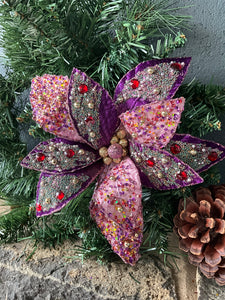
{"x":107,"y":112}
{"x":178,"y":183}
{"x":92,"y":171}
{"x":187,"y":138}
{"x":66,"y":142}
{"x":151,"y":63}
{"x":131,"y":104}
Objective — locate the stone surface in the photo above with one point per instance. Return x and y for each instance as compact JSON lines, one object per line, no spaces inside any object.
{"x":208,"y":289}
{"x":50,"y":275}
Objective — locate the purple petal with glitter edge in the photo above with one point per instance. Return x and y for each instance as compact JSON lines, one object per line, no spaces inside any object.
{"x":186,"y":138}
{"x":91,"y":152}
{"x":92,"y":172}
{"x":134,"y":102}
{"x":107,"y":112}
{"x":160,"y":167}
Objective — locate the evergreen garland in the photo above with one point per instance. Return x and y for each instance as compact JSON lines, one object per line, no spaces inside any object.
{"x":105,"y":39}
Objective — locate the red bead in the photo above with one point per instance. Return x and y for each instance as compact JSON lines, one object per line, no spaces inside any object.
{"x":60,"y":195}
{"x":213,"y":156}
{"x":150,"y":162}
{"x":38,"y":207}
{"x":83,"y":88}
{"x":69,"y":153}
{"x":90,"y":120}
{"x":182,"y":175}
{"x":135,"y":83}
{"x":175,"y":148}
{"x":177,"y":66}
{"x":40,"y":157}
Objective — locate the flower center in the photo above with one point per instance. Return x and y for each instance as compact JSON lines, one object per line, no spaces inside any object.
{"x":117,"y":150}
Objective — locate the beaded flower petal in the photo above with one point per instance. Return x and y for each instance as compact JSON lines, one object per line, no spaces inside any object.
{"x":96,"y":134}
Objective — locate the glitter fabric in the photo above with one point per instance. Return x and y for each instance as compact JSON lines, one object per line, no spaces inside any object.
{"x":82,"y":150}
{"x":154,"y":124}
{"x":116,"y":207}
{"x":48,"y":98}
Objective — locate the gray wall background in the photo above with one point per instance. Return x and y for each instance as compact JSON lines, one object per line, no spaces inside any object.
{"x":206,"y":46}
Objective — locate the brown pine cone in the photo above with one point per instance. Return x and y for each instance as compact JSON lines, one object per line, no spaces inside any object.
{"x":200,"y":224}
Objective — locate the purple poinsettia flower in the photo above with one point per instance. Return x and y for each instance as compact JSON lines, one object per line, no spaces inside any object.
{"x":124,"y":142}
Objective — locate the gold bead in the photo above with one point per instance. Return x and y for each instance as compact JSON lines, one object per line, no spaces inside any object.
{"x":107,"y":160}
{"x":150,"y":71}
{"x":76,"y":104}
{"x":112,"y":178}
{"x":121,"y":134}
{"x":136,"y":235}
{"x":51,"y":148}
{"x":126,"y":244}
{"x":120,"y":209}
{"x":81,"y":152}
{"x":164,"y":160}
{"x":92,"y":134}
{"x":134,"y":135}
{"x":164,"y":113}
{"x":119,"y":99}
{"x":156,"y":91}
{"x":114,"y":140}
{"x":123,"y":143}
{"x":54,"y":161}
{"x":117,"y":160}
{"x":124,"y":152}
{"x":114,"y":224}
{"x":91,"y":105}
{"x":160,"y":175}
{"x":193,"y":152}
{"x":48,"y":200}
{"x":103,"y":152}
{"x":138,"y":159}
{"x":75,"y":180}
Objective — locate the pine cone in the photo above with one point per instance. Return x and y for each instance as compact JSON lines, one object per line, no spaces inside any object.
{"x":200,"y":224}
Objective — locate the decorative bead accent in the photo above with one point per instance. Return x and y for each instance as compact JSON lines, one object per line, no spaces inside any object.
{"x":156,"y":91}
{"x":90,"y":105}
{"x":83,"y":89}
{"x":150,"y":71}
{"x":121,"y":134}
{"x":38,"y":207}
{"x":182,"y":175}
{"x":193,"y":152}
{"x":164,"y":160}
{"x":135,"y":84}
{"x":125,"y":152}
{"x":114,"y":140}
{"x":112,"y":178}
{"x":107,"y":160}
{"x":120,"y":209}
{"x":69,"y":153}
{"x":53,"y":161}
{"x":60,"y":195}
{"x":123,"y":143}
{"x":175,"y":148}
{"x":176,"y":66}
{"x":47,"y":200}
{"x":160,"y":175}
{"x":115,"y":151}
{"x":150,"y":162}
{"x":92,"y":134}
{"x":76,"y":104}
{"x":40,"y":157}
{"x":164,"y":113}
{"x":89,"y":120}
{"x":103,"y":152}
{"x":138,"y":159}
{"x":117,"y":160}
{"x":51,"y":148}
{"x":81,"y":152}
{"x":213,"y":156}
{"x":126,"y":244}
